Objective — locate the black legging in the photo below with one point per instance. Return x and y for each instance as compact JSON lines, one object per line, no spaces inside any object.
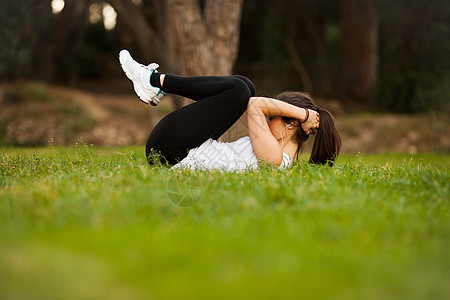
{"x":220,"y":102}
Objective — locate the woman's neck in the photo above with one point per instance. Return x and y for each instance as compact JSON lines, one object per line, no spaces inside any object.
{"x":288,"y":147}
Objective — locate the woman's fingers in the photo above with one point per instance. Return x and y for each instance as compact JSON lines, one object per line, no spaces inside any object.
{"x":313,"y":122}
{"x":316,"y":124}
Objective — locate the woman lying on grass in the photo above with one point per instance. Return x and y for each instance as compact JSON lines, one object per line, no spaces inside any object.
{"x":188,"y":136}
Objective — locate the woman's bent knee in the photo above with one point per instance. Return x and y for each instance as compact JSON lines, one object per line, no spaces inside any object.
{"x":249,"y":84}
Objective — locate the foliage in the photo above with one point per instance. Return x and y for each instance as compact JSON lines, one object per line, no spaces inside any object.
{"x":94,"y":223}
{"x":25,"y":42}
{"x":414,"y":45}
{"x":60,"y":48}
{"x":413,"y":68}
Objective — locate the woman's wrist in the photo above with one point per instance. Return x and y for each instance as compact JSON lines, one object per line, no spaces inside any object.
{"x":307,"y":116}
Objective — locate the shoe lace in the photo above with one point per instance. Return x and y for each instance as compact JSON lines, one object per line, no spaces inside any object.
{"x":152,"y":66}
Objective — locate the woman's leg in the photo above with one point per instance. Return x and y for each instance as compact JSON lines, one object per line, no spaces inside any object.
{"x":220,"y":102}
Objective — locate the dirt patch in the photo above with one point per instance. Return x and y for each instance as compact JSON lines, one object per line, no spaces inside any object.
{"x":370,"y":133}
{"x":34,"y":114}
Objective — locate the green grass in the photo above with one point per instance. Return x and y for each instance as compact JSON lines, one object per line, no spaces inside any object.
{"x":87,"y":223}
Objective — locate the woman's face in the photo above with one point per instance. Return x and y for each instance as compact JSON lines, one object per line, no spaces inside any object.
{"x":276,"y":125}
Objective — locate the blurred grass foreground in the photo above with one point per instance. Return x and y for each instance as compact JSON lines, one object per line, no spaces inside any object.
{"x":87,"y":223}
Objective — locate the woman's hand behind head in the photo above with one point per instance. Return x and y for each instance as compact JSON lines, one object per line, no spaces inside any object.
{"x":312,"y":123}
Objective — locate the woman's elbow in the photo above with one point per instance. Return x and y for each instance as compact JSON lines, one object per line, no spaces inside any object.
{"x":270,"y":160}
{"x":254,"y":103}
{"x":263,"y":162}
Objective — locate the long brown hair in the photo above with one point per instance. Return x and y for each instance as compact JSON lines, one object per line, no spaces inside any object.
{"x":327,"y":143}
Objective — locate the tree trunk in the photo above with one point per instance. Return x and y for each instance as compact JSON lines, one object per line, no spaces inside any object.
{"x":359,"y":31}
{"x":208,"y":41}
{"x":156,"y":43}
{"x":189,"y":41}
{"x":148,"y":40}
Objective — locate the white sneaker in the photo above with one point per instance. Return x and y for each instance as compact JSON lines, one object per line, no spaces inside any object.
{"x":140,"y":76}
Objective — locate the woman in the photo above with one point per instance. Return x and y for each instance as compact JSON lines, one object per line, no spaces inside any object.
{"x":187,"y":137}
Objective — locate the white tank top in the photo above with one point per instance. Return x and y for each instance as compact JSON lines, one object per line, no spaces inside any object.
{"x":237,"y":155}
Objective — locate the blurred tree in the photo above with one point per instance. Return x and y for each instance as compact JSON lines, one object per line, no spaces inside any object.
{"x":68,"y":44}
{"x":140,"y":23}
{"x":395,"y":52}
{"x":414,"y":69}
{"x":207,"y":40}
{"x":297,"y":40}
{"x":327,"y":47}
{"x":24,"y":38}
{"x":191,"y":37}
{"x":359,"y":41}
{"x":38,"y":44}
{"x":309,"y":38}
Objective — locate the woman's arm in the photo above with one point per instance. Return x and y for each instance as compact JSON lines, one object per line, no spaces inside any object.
{"x":264,"y":144}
